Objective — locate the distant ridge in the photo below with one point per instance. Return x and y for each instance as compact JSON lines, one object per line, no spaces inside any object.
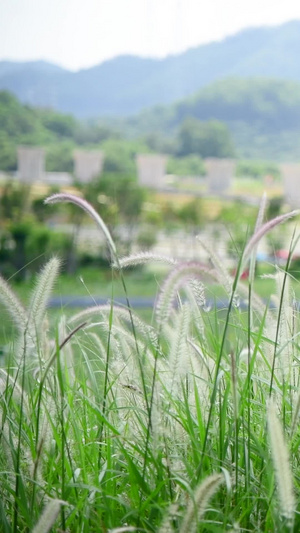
{"x":128,"y":84}
{"x":12,"y":67}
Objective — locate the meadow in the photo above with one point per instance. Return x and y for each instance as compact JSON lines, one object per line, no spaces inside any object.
{"x":188,"y":422}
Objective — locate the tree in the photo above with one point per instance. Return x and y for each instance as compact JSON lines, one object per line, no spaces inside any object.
{"x":8,"y":153}
{"x":119,"y":199}
{"x":191,"y":215}
{"x":14,"y":202}
{"x":25,"y":239}
{"x":190,"y":165}
{"x":63,"y":126}
{"x":205,"y":139}
{"x":120,"y":155}
{"x":257,"y":169}
{"x":59,"y":157}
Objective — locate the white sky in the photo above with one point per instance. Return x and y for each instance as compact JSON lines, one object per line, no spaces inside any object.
{"x":82,"y":33}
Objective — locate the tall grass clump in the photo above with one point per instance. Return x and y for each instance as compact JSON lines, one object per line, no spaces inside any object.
{"x":190,"y":423}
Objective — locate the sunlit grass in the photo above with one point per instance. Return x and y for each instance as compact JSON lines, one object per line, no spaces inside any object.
{"x":256,"y":187}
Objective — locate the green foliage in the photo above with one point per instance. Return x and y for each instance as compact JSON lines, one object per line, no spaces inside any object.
{"x":191,"y":214}
{"x":274,"y":208}
{"x":169,"y":214}
{"x":147,"y":237}
{"x":26,"y":244}
{"x":59,"y":157}
{"x":191,"y":165}
{"x":117,"y":194}
{"x":257,"y":169}
{"x":238,"y":233}
{"x":13,"y":201}
{"x":94,"y":132}
{"x":273,"y":103}
{"x":16,"y":120}
{"x":205,"y":139}
{"x":159,"y":143}
{"x":262,"y":115}
{"x":8,"y":154}
{"x":120,"y":155}
{"x":253,"y":119}
{"x":231,"y":211}
{"x":20,"y":124}
{"x":120,"y":199}
{"x":63,"y":126}
{"x":25,"y":238}
{"x":295,"y":268}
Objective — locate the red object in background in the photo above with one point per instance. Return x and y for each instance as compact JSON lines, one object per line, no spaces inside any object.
{"x":281,"y":254}
{"x":284,"y":254}
{"x":244,"y":275}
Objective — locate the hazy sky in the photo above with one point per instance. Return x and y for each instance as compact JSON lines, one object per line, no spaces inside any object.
{"x":81,"y":33}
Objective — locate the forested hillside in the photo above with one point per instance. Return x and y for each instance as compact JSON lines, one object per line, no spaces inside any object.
{"x":59,"y":134}
{"x":262,"y":115}
{"x":252,"y":119}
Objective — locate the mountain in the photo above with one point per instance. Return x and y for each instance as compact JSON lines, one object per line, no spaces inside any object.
{"x":262,"y":116}
{"x":12,"y":67}
{"x":128,"y":84}
{"x":270,"y":104}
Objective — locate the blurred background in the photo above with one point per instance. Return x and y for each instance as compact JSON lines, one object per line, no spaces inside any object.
{"x":171,"y":117}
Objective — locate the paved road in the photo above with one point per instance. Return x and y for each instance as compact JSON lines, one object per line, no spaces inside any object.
{"x":138,"y":303}
{"x":87,"y":301}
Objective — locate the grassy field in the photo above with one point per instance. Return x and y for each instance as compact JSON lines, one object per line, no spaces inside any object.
{"x":141,"y":282}
{"x":99,"y":282}
{"x":186,"y":423}
{"x":256,"y":187}
{"x":130,"y":431}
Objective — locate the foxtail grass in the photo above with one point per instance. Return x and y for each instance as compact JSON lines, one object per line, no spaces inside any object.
{"x":109,"y":423}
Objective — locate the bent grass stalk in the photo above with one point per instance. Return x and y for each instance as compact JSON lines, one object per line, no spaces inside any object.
{"x":83,"y":204}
